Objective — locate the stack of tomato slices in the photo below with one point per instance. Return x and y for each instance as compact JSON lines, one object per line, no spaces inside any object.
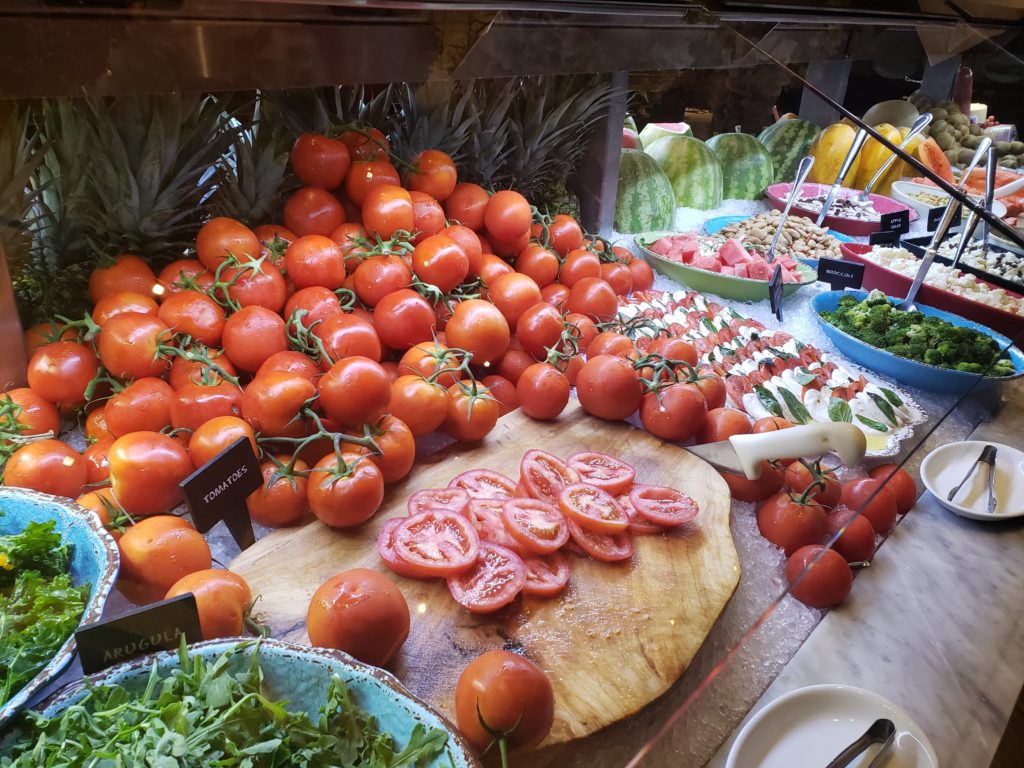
{"x":492,"y":538}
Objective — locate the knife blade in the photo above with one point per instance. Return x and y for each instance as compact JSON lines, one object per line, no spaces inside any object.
{"x":743,"y":454}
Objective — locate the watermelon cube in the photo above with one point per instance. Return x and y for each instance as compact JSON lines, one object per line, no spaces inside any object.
{"x":759,"y":270}
{"x":661,"y":246}
{"x":789,"y":276}
{"x":787,"y":262}
{"x":742,"y":270}
{"x":708,"y":263}
{"x":727,"y":270}
{"x":732,"y":252}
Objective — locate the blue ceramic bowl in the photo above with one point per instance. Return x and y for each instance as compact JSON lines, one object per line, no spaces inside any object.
{"x":718,"y":223}
{"x":900,"y":368}
{"x":94,"y":561}
{"x":299,"y":674}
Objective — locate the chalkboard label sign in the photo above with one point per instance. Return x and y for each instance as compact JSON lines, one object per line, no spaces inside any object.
{"x":155,"y":627}
{"x":935,"y":216}
{"x":884,"y":238}
{"x":218,"y":490}
{"x":840,"y":274}
{"x":897,"y":221}
{"x":775,"y":292}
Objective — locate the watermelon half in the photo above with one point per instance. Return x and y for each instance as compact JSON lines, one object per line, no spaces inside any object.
{"x":692,"y":168}
{"x":787,"y":142}
{"x":644,"y":200}
{"x":654,"y":131}
{"x":746,"y":165}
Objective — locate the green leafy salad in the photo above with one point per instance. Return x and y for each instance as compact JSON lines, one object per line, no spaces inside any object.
{"x":919,"y":337}
{"x":39,"y":606}
{"x":205,"y":714}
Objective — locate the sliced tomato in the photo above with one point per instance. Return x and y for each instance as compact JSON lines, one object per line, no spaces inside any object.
{"x":544,"y":475}
{"x":386,"y":549}
{"x":546,"y":576}
{"x":601,"y":546}
{"x":484,"y":484}
{"x":663,"y":506}
{"x":485,"y":516}
{"x":638,"y":526}
{"x":521,"y":492}
{"x":440,"y":499}
{"x":538,"y":526}
{"x":437,"y":543}
{"x":592,"y":508}
{"x":492,"y":583}
{"x":605,"y":472}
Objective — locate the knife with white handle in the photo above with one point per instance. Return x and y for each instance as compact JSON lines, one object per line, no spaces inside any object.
{"x":743,"y":454}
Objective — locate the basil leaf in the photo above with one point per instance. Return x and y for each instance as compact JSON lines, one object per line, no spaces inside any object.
{"x":872,"y":423}
{"x":800,"y":414}
{"x":892,"y":397}
{"x":768,"y":400}
{"x":885,"y":408}
{"x":800,"y":346}
{"x":803,"y":377}
{"x":839,"y":410}
{"x":706,"y":322}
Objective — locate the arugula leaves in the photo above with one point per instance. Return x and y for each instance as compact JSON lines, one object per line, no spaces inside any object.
{"x":39,"y":606}
{"x":214,"y":713}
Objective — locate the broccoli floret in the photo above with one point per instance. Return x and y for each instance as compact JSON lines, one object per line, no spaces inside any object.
{"x":970,"y":367}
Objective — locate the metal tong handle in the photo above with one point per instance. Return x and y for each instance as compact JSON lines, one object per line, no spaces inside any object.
{"x":794,"y":192}
{"x":990,"y":459}
{"x":940,"y":231}
{"x":919,"y":125}
{"x":987,"y":456}
{"x":882,"y":731}
{"x":851,"y":155}
{"x":967,"y":231}
{"x":990,"y":192}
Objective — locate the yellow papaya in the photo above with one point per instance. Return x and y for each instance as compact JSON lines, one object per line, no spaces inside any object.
{"x":899,"y":169}
{"x":874,"y":155}
{"x":829,"y":151}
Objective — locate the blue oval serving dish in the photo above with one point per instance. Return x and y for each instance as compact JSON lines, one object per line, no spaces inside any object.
{"x":715,"y":225}
{"x":94,"y":561}
{"x":302,"y":676}
{"x":902,"y":369}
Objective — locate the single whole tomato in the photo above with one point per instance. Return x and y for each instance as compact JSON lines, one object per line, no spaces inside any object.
{"x":824,"y":583}
{"x":470,"y":244}
{"x":142,"y":406}
{"x":291,"y":362}
{"x":97,"y":462}
{"x":466,"y":205}
{"x":403,"y":319}
{"x":315,"y":260}
{"x":618,"y":277}
{"x":434,"y":173}
{"x":421,"y":404}
{"x":676,"y":412}
{"x":378,"y":276}
{"x":873,"y":500}
{"x":513,"y":363}
{"x":513,"y":294}
{"x":397,"y":446}
{"x":611,"y":343}
{"x":767,"y":484}
{"x":472,"y":411}
{"x":712,"y":387}
{"x":123,"y":301}
{"x":801,"y":475}
{"x":356,"y":390}
{"x":32,"y":414}
{"x":643,"y":275}
{"x":180,"y":275}
{"x":440,"y":261}
{"x":791,"y":524}
{"x":565,"y":234}
{"x":126,"y":273}
{"x":609,"y":388}
{"x":579,"y":264}
{"x":899,"y":483}
{"x":217,"y":435}
{"x":674,"y":348}
{"x":431,"y":359}
{"x":387,"y":209}
{"x":348,"y":335}
{"x":538,"y":263}
{"x":492,"y":267}
{"x":478,"y":327}
{"x":145,"y":470}
{"x":256,"y":283}
{"x":281,"y":500}
{"x":723,"y":423}
{"x":251,"y":335}
{"x":273,"y":403}
{"x":345,"y":491}
{"x":593,"y":297}
{"x":360,"y":612}
{"x":129,"y":346}
{"x":48,"y":466}
{"x":222,"y":237}
{"x":538,"y":328}
{"x":318,"y":303}
{"x":156,"y":553}
{"x":427,"y":216}
{"x":364,"y":175}
{"x":856,"y":543}
{"x":313,"y":211}
{"x":96,"y":424}
{"x":507,"y":215}
{"x":194,"y":404}
{"x":502,"y":390}
{"x":320,"y":161}
{"x":194,"y":314}
{"x":500,"y":692}
{"x":222,"y":599}
{"x":365,"y":143}
{"x":542,"y":391}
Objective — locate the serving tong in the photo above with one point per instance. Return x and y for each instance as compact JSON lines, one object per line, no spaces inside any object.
{"x":794,"y":193}
{"x":988,"y":456}
{"x":882,"y":731}
{"x":907,"y":305}
{"x":851,"y":155}
{"x":967,"y":231}
{"x":919,"y":125}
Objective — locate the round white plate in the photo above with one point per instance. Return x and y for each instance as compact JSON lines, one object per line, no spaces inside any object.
{"x":901,"y":190}
{"x":944,"y":467}
{"x":810,"y":726}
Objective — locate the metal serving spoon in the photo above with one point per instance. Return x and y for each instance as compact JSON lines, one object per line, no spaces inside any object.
{"x":967,"y":231}
{"x":794,"y":192}
{"x":940,"y":232}
{"x":919,"y":125}
{"x":851,"y":155}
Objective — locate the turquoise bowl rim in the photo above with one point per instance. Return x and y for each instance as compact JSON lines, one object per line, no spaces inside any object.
{"x":104,"y":546}
{"x":911,"y":371}
{"x":332,"y":661}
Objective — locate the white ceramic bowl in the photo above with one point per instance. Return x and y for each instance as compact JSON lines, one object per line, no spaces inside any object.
{"x":810,"y":726}
{"x":902,"y":190}
{"x":946,"y":466}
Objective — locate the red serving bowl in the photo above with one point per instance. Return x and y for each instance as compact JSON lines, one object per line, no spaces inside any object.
{"x":777,"y":195}
{"x":897,"y":285}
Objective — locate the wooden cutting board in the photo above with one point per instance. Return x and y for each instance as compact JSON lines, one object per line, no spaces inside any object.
{"x":616,"y":639}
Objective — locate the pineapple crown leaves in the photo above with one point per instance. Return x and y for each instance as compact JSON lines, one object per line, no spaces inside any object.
{"x":491,"y":142}
{"x":321,"y":110}
{"x":433,"y":116}
{"x":20,"y":156}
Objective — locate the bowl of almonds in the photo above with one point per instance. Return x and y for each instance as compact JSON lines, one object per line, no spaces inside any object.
{"x":801,"y":238}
